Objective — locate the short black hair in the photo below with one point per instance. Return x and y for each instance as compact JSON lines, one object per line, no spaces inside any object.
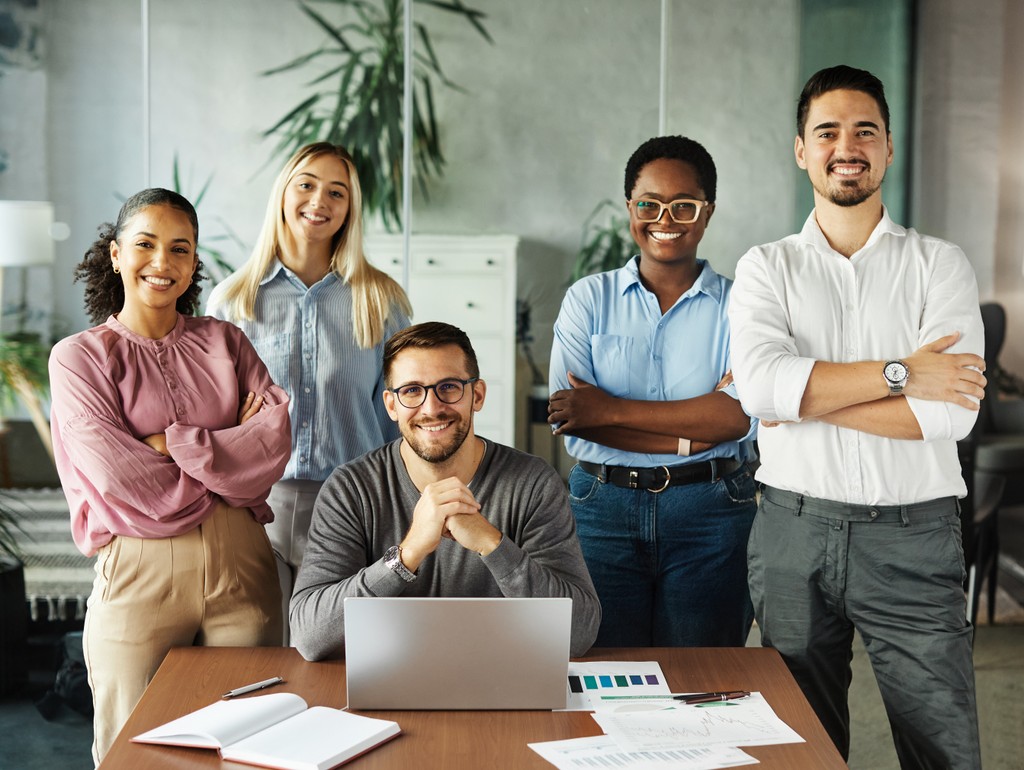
{"x":837,"y":78}
{"x":674,"y":148}
{"x":432,"y":334}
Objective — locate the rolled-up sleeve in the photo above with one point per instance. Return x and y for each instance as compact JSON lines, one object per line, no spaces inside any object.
{"x":951,"y":306}
{"x":769,"y":372}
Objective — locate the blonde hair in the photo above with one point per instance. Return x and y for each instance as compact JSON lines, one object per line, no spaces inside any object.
{"x":373,"y":291}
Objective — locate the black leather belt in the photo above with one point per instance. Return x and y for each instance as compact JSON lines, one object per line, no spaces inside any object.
{"x":662,"y":477}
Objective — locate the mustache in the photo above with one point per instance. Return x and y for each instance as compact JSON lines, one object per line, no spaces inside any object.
{"x":847,"y":162}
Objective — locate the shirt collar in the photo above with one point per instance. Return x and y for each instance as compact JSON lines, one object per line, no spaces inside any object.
{"x":167,"y":340}
{"x":812,"y":235}
{"x":277,"y":268}
{"x":629,"y":276}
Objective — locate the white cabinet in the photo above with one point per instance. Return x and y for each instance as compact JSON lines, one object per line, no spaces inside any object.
{"x":468,"y":281}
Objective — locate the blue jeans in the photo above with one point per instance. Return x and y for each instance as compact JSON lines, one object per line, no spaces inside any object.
{"x":670,"y":567}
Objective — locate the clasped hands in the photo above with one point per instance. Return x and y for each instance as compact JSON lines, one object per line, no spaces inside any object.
{"x":447,"y":508}
{"x":249,"y":408}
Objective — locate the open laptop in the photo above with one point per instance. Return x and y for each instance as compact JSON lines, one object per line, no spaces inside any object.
{"x":420,"y":653}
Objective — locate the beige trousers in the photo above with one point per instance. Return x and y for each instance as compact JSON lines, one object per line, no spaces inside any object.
{"x":216,"y":585}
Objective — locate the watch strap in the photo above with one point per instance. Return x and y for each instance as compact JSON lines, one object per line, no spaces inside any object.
{"x":393,"y":558}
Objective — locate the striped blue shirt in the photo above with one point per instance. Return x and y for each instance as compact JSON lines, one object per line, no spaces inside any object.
{"x":304,"y":336}
{"x":611,"y":332}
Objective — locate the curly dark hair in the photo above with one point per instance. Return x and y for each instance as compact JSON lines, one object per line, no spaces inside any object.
{"x":674,"y":148}
{"x":104,"y":291}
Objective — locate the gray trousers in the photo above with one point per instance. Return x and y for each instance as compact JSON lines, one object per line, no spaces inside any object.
{"x":820,"y":569}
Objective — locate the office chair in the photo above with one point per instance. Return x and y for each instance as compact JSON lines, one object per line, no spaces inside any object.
{"x":996,"y":447}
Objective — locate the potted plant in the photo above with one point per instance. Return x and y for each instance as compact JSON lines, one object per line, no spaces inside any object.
{"x":357,"y":96}
{"x":24,"y":379}
{"x":606,"y":243}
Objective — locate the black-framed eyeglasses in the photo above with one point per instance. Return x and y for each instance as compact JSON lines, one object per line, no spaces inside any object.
{"x":683,"y":211}
{"x":448,"y":391}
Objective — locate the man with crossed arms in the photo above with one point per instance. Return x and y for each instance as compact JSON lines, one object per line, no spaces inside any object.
{"x":858,"y":343}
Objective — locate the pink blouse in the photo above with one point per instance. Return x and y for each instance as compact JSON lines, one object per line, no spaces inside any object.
{"x":111,"y":388}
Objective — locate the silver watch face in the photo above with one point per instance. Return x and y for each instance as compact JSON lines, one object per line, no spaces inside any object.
{"x":895,"y":372}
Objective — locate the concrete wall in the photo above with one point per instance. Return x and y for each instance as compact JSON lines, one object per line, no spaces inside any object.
{"x":969,"y":169}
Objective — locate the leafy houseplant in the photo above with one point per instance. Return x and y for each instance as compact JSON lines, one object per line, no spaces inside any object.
{"x":23,"y":377}
{"x":606,"y":244}
{"x":214,"y":261}
{"x":357,"y":97}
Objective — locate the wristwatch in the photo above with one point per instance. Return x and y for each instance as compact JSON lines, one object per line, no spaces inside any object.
{"x":393,"y":558}
{"x":896,"y":375}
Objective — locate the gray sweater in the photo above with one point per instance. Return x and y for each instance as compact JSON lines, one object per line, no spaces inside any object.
{"x":366,"y":506}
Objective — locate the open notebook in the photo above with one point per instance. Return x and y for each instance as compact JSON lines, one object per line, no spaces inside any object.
{"x":420,"y":653}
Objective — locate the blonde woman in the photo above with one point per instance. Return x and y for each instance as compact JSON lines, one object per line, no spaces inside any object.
{"x":318,"y":314}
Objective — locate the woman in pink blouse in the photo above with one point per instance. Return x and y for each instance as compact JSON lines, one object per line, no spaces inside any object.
{"x":168,"y":434}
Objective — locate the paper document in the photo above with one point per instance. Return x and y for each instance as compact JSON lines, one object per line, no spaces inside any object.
{"x":746,"y":722}
{"x":602,"y":752}
{"x":587,"y":682}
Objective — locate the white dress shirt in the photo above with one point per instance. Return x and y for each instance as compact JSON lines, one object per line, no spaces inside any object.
{"x":797,"y":301}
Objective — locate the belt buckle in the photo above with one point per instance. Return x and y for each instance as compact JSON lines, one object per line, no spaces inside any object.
{"x":668,"y":480}
{"x":633,"y":476}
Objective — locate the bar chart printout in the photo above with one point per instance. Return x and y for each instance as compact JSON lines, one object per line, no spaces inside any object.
{"x":586,"y":683}
{"x":602,"y":752}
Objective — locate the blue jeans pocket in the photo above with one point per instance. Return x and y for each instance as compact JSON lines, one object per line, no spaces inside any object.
{"x":582,"y":486}
{"x":740,"y":486}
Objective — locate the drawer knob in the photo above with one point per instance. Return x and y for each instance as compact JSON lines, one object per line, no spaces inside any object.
{"x":431,"y":262}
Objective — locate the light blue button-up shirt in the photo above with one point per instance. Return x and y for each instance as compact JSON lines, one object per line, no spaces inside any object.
{"x":304,"y":336}
{"x":611,"y":332}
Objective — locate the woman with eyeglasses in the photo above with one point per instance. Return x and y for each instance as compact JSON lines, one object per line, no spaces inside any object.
{"x":662,"y":494}
{"x":318,"y":314}
{"x":167,"y":433}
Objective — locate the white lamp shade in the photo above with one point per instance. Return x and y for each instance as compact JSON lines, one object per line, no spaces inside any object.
{"x":25,"y":233}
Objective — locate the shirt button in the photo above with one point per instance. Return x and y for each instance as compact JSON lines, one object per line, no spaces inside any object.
{"x":302,"y":459}
{"x":180,"y":410}
{"x":305,"y":423}
{"x":654,"y":390}
{"x":159,"y":344}
{"x":172,"y":385}
{"x":305,"y":390}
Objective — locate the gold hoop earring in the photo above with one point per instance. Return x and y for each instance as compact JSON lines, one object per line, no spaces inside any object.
{"x":117,"y":269}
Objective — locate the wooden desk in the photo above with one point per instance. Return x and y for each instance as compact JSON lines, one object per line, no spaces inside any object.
{"x":193,"y":677}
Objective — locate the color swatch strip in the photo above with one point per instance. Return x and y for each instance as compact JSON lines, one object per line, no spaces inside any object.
{"x":610,"y":681}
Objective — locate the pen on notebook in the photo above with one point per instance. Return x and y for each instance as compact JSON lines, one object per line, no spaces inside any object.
{"x":253,"y":687}
{"x":711,"y":697}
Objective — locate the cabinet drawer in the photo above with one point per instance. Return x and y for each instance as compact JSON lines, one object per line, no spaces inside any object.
{"x":472,"y":304}
{"x":427,"y":261}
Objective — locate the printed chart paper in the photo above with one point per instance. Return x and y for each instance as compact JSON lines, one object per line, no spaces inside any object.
{"x":587,"y":682}
{"x":746,"y":722}
{"x":602,"y":752}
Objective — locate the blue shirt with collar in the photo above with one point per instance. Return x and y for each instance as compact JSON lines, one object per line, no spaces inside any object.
{"x":304,"y":336}
{"x":611,"y":332}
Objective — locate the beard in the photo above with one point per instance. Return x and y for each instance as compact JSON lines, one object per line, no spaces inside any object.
{"x":437,"y":452}
{"x":851,"y":192}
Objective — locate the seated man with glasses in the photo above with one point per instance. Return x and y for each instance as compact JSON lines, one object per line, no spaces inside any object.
{"x":439,"y":512}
